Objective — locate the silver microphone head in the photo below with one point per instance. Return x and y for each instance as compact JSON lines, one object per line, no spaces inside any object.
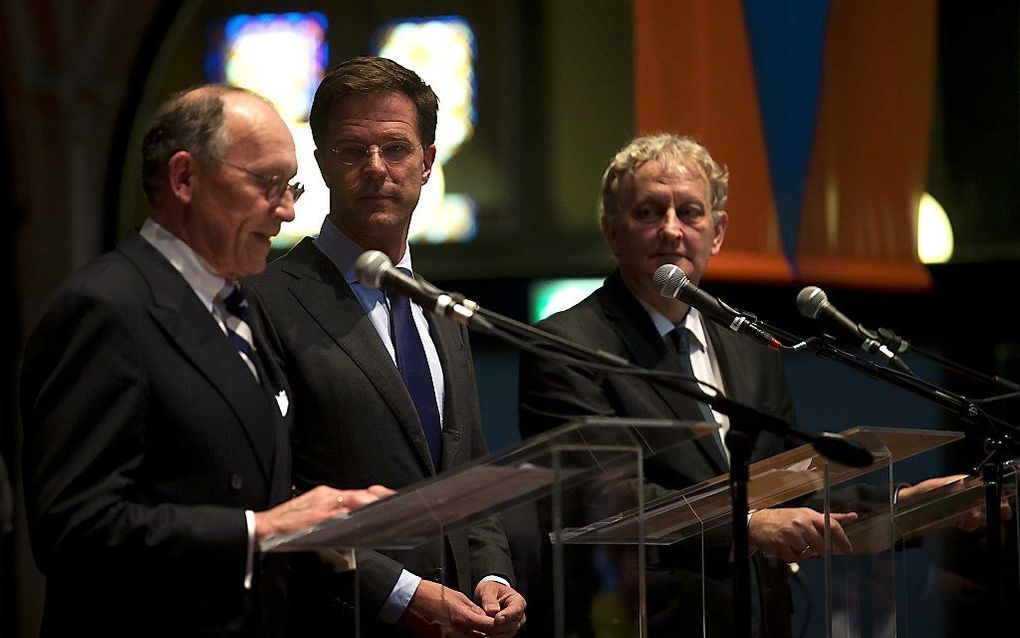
{"x":670,"y":280}
{"x":370,"y":267}
{"x":810,"y":301}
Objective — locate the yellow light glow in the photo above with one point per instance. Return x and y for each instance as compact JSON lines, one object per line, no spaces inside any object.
{"x":441,"y":52}
{"x":934,"y":232}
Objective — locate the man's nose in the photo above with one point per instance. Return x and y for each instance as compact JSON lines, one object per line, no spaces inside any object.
{"x":285,"y":208}
{"x":373,"y":164}
{"x":670,"y":227}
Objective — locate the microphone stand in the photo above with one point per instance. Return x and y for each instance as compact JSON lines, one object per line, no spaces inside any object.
{"x":896,"y":343}
{"x":999,"y":441}
{"x":745,"y":424}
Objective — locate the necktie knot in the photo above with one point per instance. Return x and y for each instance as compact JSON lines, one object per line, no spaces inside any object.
{"x":234,"y":301}
{"x":682,"y":339}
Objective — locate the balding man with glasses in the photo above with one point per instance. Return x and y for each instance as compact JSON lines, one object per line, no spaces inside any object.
{"x":383,"y":393}
{"x":156,"y":451}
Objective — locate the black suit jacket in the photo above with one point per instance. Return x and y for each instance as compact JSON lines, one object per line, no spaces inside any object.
{"x":354,"y":422}
{"x":551,"y":393}
{"x":145,"y":439}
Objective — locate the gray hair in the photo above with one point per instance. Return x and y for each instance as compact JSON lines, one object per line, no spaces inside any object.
{"x":667,"y":148}
{"x":191,"y":120}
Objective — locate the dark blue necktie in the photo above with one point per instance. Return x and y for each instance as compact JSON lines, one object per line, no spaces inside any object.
{"x":414,"y":370}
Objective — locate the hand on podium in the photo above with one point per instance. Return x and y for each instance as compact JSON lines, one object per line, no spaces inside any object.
{"x":795,"y":533}
{"x":314,"y":506}
{"x":971,"y":520}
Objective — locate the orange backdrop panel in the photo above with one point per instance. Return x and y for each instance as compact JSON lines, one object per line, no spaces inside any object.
{"x":869,"y":162}
{"x":693,"y":75}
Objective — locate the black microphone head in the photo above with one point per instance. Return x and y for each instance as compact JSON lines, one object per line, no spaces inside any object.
{"x":842,"y":450}
{"x":670,"y":280}
{"x":811,"y":301}
{"x":370,"y":267}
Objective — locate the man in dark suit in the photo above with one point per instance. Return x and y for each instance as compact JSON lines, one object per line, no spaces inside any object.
{"x":156,"y":454}
{"x":383,"y":393}
{"x":663,"y":202}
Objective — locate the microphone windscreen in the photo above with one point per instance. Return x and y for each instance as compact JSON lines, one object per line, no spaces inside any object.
{"x":842,"y":450}
{"x":370,"y":267}
{"x":669,"y":279}
{"x":810,"y":301}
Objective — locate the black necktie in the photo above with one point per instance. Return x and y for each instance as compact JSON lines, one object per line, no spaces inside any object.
{"x":414,"y":370}
{"x":238,"y":328}
{"x":682,"y":339}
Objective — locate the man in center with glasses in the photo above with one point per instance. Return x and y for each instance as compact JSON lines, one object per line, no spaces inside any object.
{"x":383,"y":393}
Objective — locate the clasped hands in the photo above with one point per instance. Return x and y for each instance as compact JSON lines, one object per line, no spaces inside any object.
{"x":436,"y":610}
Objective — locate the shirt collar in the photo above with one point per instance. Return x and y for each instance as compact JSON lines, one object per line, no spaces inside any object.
{"x":344,"y":251}
{"x":693,"y":322}
{"x":195,"y":270}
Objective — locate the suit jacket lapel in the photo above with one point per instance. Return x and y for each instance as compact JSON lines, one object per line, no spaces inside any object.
{"x":448,"y":338}
{"x":323,"y":293}
{"x":649,"y":350}
{"x":188,"y":324}
{"x":280,"y":489}
{"x":738,"y":373}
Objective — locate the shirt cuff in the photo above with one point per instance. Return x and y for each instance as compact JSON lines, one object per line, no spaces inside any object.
{"x":400,"y":597}
{"x":249,"y":561}
{"x":494,"y":578}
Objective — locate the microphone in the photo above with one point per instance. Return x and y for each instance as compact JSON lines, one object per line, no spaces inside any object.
{"x":375,"y":270}
{"x":673,"y":283}
{"x":812,"y":302}
{"x":842,"y":450}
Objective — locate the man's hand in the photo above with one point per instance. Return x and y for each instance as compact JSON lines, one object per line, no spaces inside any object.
{"x":970,"y":520}
{"x":909,"y":492}
{"x":795,"y":533}
{"x":314,"y":507}
{"x":436,"y":611}
{"x":504,"y":605}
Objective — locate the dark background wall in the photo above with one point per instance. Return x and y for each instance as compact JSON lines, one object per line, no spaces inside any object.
{"x":80,"y":80}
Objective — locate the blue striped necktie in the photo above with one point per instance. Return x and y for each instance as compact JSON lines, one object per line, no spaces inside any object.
{"x":414,"y":370}
{"x":236,"y":321}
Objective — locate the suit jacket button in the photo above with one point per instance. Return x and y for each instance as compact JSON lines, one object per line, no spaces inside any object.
{"x":236,"y":482}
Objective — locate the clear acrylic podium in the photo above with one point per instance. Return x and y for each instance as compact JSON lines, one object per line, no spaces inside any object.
{"x":935,"y":592}
{"x":574,"y":475}
{"x":859,"y":588}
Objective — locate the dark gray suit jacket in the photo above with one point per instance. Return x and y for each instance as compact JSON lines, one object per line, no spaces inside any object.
{"x":354,"y":422}
{"x":146,"y":438}
{"x":551,"y":393}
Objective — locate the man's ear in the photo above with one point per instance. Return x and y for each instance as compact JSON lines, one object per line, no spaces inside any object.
{"x":721,"y":222}
{"x":610,"y":233}
{"x":180,"y":176}
{"x":322,"y":158}
{"x":430,"y":158}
